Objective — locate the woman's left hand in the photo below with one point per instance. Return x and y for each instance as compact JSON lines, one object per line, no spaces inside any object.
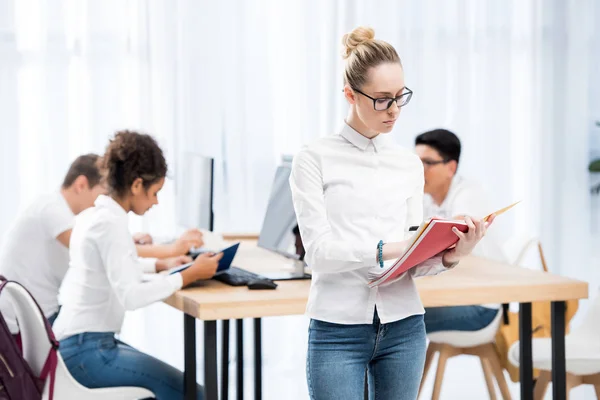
{"x":466,"y":240}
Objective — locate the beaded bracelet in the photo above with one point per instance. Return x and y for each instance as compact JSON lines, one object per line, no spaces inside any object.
{"x":380,"y":253}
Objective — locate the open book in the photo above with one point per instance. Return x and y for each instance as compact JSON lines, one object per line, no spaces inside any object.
{"x":432,"y":237}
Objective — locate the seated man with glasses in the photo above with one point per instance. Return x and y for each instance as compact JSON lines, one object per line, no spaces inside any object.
{"x":448,"y":195}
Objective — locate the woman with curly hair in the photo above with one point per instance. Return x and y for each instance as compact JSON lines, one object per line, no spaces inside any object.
{"x":105,"y":276}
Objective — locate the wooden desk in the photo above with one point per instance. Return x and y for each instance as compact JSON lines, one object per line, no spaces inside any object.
{"x":474,"y":281}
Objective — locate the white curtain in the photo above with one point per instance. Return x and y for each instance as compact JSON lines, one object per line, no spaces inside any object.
{"x":248,"y":81}
{"x":511,"y":78}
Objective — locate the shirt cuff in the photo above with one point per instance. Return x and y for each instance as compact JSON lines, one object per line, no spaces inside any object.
{"x":432,"y":266}
{"x":176,"y":281}
{"x":148,"y":265}
{"x":368,"y":255}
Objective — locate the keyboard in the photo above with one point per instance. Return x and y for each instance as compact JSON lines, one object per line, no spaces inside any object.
{"x":237,"y":277}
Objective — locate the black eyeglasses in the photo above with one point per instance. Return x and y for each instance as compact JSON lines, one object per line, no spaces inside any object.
{"x":384,"y":103}
{"x":430,"y":163}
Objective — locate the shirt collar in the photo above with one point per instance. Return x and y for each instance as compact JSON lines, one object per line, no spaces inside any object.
{"x":107,"y":202}
{"x":361,"y":142}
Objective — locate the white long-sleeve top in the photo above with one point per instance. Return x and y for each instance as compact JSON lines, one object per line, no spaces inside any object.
{"x":105,"y":274}
{"x":350,"y":192}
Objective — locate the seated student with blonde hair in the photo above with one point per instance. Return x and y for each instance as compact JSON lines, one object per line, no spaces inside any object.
{"x":355,"y":195}
{"x":105,"y":277}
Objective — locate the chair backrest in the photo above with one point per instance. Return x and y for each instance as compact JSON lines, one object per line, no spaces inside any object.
{"x":38,"y":342}
{"x":518,"y":250}
{"x":34,"y":338}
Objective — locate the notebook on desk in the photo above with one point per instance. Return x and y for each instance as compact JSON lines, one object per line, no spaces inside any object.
{"x":431,"y":238}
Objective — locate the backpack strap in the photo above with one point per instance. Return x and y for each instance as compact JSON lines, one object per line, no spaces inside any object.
{"x":50,"y":369}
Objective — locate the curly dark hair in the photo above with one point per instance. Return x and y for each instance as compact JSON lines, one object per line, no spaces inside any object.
{"x":131,"y":155}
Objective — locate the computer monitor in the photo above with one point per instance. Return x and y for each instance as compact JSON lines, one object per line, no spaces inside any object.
{"x":194,"y":192}
{"x":277,"y":233}
{"x":280,"y":219}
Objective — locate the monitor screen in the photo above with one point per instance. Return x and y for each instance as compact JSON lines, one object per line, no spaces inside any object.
{"x":277,"y":233}
{"x":194,"y":196}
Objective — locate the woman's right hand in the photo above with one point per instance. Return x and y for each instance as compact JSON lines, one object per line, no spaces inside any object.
{"x":204,"y":267}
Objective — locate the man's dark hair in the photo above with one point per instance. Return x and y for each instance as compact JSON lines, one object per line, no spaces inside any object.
{"x":87,"y":165}
{"x":445,"y":142}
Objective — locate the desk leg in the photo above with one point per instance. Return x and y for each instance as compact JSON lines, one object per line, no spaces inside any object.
{"x":257,"y":359}
{"x":211,"y":385}
{"x":240,"y":358}
{"x":225,"y":360}
{"x":559,"y":374}
{"x":189,"y":346}
{"x":525,"y":357}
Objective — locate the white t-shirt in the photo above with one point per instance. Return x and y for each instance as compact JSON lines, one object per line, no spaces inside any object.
{"x":32,"y":255}
{"x":468,"y":198}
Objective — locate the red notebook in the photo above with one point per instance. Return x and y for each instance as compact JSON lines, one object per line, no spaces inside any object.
{"x":432,"y":237}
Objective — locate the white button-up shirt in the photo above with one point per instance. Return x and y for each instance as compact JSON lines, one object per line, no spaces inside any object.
{"x":105,"y":276}
{"x":350,"y":192}
{"x":466,"y":197}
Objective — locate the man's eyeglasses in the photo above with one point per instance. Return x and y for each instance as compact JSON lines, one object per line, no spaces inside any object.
{"x":384,"y":103}
{"x":430,"y":163}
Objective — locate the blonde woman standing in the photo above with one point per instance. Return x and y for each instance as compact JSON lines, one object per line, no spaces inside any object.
{"x":355,"y":195}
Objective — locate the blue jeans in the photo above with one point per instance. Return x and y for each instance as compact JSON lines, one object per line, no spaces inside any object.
{"x":98,"y":360}
{"x":458,"y":318}
{"x":393,"y":354}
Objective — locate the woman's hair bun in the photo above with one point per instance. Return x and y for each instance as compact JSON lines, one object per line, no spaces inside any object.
{"x":358,"y":36}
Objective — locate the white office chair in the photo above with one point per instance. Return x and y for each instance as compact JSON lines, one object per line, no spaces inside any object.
{"x":478,"y":343}
{"x":36,"y":347}
{"x":518,"y":250}
{"x":582,"y":349}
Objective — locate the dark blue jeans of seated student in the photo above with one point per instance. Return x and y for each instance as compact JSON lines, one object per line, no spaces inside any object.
{"x":98,"y":360}
{"x":458,"y":318}
{"x":393,"y":354}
